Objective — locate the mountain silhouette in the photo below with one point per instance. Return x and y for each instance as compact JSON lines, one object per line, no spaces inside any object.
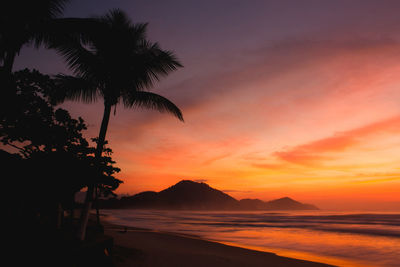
{"x":190,"y":195}
{"x":287,"y":203}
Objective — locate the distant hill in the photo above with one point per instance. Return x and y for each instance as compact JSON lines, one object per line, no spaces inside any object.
{"x":287,"y":203}
{"x":199,"y":196}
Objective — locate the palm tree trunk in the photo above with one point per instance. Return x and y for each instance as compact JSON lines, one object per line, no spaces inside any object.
{"x":9,"y":61}
{"x":60,"y":215}
{"x":91,"y":187}
{"x":97,"y":205}
{"x":71,"y":211}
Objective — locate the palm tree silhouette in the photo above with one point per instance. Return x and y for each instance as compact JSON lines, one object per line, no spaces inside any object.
{"x":112,"y":60}
{"x":23,"y":22}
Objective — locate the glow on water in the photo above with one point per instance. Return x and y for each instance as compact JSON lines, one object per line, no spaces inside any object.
{"x":343,"y":239}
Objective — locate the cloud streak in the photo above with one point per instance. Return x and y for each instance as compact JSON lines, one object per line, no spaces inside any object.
{"x":275,"y":96}
{"x":319,"y":150}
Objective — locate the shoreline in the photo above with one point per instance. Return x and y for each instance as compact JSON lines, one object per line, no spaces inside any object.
{"x":150,"y":248}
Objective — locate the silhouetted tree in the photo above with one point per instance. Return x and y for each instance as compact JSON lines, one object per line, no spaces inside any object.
{"x":30,"y":123}
{"x":116,"y":62}
{"x":107,"y":183}
{"x":23,"y":22}
{"x":52,"y":159}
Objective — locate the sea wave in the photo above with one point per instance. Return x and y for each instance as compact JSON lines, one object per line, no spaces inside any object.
{"x":371,"y":239}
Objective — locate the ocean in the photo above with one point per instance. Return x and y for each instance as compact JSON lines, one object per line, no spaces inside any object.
{"x":341,"y":239}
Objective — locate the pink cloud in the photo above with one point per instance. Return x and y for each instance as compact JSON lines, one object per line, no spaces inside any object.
{"x":316,"y":151}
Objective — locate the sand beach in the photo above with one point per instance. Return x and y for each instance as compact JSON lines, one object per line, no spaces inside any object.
{"x":143,"y":247}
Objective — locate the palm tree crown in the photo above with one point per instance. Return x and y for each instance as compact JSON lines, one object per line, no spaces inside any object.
{"x":114,"y":61}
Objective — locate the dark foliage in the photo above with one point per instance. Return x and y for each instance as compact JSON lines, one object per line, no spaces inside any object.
{"x":48,"y":159}
{"x":23,"y":22}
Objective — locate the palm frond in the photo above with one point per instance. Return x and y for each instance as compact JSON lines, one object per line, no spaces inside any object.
{"x":81,"y":61}
{"x":55,"y":32}
{"x":74,"y":88}
{"x":149,"y":100}
{"x":56,"y":7}
{"x":117,"y":17}
{"x":150,"y":63}
{"x":22,"y":21}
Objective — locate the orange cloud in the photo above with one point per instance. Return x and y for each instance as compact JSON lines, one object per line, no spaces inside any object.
{"x":316,"y":151}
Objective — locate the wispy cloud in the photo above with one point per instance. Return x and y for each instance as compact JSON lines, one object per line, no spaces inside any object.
{"x":237,"y":191}
{"x":201,"y":180}
{"x":318,"y":150}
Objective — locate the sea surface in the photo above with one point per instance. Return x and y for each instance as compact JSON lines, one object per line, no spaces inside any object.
{"x":342,"y":239}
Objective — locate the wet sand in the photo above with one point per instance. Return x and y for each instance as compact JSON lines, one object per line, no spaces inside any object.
{"x":141,"y":247}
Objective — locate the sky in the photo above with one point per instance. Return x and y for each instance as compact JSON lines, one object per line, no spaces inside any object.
{"x":280,"y":98}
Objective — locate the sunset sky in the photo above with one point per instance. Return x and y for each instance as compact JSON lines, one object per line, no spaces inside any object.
{"x":280,"y":98}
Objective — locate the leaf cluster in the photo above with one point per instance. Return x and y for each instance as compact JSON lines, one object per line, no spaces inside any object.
{"x":48,"y":141}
